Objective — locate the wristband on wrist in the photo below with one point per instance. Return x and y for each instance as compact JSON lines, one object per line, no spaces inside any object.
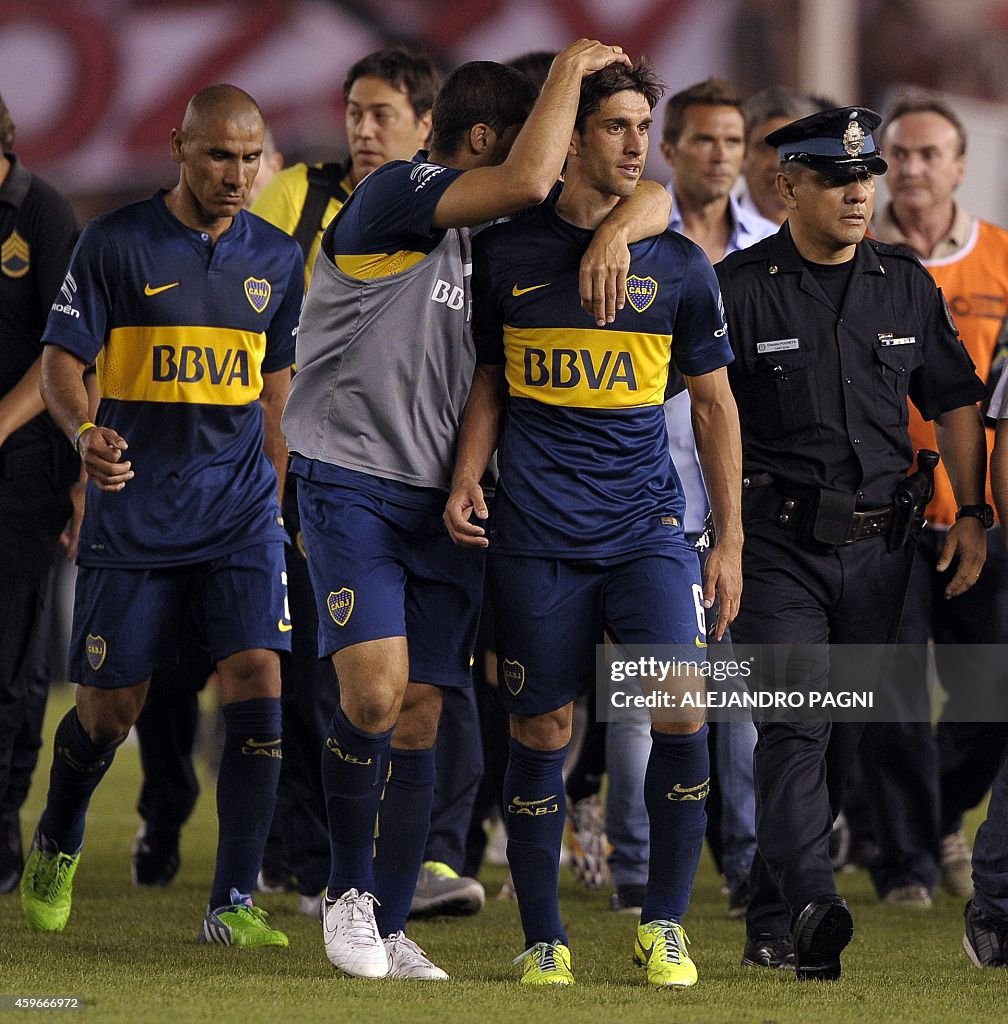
{"x":81,"y":431}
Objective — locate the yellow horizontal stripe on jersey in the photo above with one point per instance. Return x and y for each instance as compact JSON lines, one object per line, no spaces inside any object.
{"x":595,"y":369}
{"x":198,"y":365}
{"x":378,"y":264}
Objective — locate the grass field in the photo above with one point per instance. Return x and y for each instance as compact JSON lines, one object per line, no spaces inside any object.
{"x":131,"y":954}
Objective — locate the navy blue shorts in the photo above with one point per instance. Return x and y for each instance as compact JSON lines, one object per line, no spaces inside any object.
{"x":129,"y":622}
{"x":550,"y":614}
{"x":380,"y":570}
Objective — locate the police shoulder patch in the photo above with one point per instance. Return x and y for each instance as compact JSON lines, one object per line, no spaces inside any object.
{"x":15,"y":256}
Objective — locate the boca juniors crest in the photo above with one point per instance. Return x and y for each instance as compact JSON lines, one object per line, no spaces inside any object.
{"x":641,"y":291}
{"x":258,"y":291}
{"x":95,"y":648}
{"x":340,"y":603}
{"x":514,"y":676}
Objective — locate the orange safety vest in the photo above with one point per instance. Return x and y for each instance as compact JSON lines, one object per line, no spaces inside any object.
{"x":975,"y":284}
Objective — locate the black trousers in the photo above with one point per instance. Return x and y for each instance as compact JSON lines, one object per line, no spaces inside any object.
{"x":792,"y":595}
{"x":34,"y":508}
{"x":921,"y":782}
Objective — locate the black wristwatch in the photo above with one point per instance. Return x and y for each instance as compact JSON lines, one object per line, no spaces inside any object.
{"x":982,"y":512}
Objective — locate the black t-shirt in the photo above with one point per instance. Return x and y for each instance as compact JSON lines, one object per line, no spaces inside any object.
{"x":38,"y":230}
{"x":822,"y":392}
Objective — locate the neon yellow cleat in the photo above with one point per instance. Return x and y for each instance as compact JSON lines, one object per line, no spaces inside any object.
{"x":239,"y":923}
{"x":661,"y":948}
{"x":47,"y":886}
{"x":546,"y":963}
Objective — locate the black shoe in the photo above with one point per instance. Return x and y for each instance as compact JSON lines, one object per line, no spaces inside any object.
{"x":155,"y":856}
{"x":821,"y":933}
{"x":985,"y":942}
{"x":11,"y":853}
{"x":773,"y":951}
{"x":627,"y":899}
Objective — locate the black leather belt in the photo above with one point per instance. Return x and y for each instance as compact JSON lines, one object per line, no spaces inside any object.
{"x":761,"y":499}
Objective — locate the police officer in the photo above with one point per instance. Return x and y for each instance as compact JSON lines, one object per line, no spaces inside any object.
{"x":37,"y":467}
{"x":832,"y":332}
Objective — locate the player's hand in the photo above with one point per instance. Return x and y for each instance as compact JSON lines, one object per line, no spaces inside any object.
{"x":465,"y":501}
{"x":603,"y":274}
{"x":585,"y":57}
{"x":723,"y":583}
{"x":966,"y":538}
{"x":101,"y":450}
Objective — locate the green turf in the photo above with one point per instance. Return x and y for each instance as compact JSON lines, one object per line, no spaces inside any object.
{"x":132,"y":955}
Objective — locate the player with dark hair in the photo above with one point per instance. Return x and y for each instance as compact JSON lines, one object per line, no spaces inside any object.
{"x":384,"y":357}
{"x":189,"y":306}
{"x":388,"y":96}
{"x":587,"y":532}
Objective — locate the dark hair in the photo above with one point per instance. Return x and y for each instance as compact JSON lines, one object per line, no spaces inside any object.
{"x":535,"y":64}
{"x":413,"y":73}
{"x":923,"y":101}
{"x":714,"y":92}
{"x":480,"y":92}
{"x":614,"y":78}
{"x":777,"y":101}
{"x":6,"y":127}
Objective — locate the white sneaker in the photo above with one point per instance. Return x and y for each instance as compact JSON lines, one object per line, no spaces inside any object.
{"x":409,"y":961}
{"x":352,"y":941}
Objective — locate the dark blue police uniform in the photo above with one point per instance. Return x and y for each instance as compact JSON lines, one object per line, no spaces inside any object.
{"x":826,"y":358}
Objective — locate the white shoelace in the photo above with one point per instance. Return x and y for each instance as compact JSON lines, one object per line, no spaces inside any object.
{"x":357,"y":917}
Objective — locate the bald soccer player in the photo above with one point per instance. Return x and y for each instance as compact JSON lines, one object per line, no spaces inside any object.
{"x":188,"y":305}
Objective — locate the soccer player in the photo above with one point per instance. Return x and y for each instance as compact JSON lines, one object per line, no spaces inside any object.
{"x":384,"y":358}
{"x":189,"y":306}
{"x":588,"y":532}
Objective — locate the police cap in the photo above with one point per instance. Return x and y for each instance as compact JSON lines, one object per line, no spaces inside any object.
{"x":837,"y":142}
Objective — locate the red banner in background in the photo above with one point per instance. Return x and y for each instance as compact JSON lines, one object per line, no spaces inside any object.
{"x":95,"y":86}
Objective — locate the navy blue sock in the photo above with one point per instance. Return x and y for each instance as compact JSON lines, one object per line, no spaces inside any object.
{"x":78,"y":766}
{"x":675,"y":794}
{"x":354,"y":772}
{"x":403,"y":825}
{"x":246,"y":793}
{"x":536,"y":808}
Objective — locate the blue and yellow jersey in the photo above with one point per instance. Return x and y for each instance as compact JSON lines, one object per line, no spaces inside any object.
{"x":181,"y":332}
{"x":384,"y":352}
{"x":584,"y":463}
{"x":386,"y":228}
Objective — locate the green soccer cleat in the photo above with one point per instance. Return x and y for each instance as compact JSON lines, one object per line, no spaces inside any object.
{"x":240,"y":924}
{"x":661,"y":948}
{"x":47,"y":886}
{"x":546,"y":963}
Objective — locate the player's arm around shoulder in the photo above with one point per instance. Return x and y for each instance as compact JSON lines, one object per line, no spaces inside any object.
{"x":719,"y":447}
{"x":536,"y":158}
{"x":479,"y":435}
{"x":606,"y":262}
